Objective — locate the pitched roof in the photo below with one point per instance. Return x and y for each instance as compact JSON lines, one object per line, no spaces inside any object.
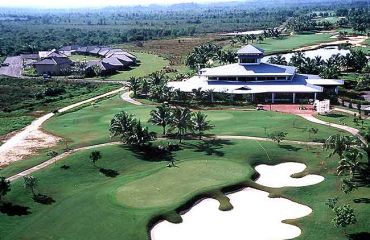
{"x":112,"y":61}
{"x":69,"y":48}
{"x":54,"y":61}
{"x":250,"y":49}
{"x":238,"y":70}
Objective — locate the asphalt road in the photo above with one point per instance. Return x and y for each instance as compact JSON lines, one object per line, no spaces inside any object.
{"x":15,"y":67}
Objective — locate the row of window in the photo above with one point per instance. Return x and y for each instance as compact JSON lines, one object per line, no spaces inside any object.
{"x":246,"y":79}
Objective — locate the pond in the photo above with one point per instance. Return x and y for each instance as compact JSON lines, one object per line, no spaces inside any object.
{"x":325,"y":53}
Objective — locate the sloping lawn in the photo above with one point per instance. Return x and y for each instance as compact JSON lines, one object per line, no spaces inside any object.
{"x":90,"y":205}
{"x":149,"y":63}
{"x":90,"y":125}
{"x":344,"y":119}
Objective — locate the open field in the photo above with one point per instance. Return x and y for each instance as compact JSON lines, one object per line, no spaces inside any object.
{"x":82,"y":58}
{"x":149,"y":63}
{"x":90,"y":125}
{"x":23,"y":100}
{"x":82,"y":194}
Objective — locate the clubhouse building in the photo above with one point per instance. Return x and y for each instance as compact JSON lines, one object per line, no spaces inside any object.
{"x":261,"y":82}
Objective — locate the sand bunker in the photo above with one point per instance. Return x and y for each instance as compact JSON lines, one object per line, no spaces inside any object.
{"x":254,"y":216}
{"x":280,"y":176}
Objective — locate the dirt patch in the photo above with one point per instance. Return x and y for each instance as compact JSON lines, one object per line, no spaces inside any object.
{"x":354,"y":41}
{"x":35,"y":141}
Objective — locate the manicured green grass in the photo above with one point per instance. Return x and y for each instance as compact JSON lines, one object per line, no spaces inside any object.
{"x":90,"y":125}
{"x":272,"y":45}
{"x":289,"y":43}
{"x":90,"y":205}
{"x":204,"y":175}
{"x":83,"y":58}
{"x":149,"y":63}
{"x":344,"y":119}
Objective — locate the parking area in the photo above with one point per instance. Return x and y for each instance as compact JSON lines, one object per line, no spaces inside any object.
{"x":12,"y":67}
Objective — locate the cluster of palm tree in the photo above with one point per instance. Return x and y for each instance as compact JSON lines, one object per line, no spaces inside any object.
{"x":351,"y":151}
{"x":130,"y":130}
{"x":356,"y":60}
{"x":205,"y":55}
{"x":183,"y":120}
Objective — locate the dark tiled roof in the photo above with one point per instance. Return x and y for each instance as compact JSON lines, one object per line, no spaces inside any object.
{"x":54,"y":61}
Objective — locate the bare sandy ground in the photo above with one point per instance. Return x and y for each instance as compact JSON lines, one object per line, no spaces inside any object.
{"x":355,"y":41}
{"x":254,"y":216}
{"x":31,"y":139}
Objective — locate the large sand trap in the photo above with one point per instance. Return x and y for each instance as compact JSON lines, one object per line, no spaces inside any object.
{"x":254,"y":216}
{"x":280,"y":176}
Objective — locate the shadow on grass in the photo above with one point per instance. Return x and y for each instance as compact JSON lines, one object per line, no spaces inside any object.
{"x":359,"y":236}
{"x":14,"y":210}
{"x":152,"y":153}
{"x":289,"y":147}
{"x":209,"y":147}
{"x":362,"y":200}
{"x":43,"y":199}
{"x":109,"y":172}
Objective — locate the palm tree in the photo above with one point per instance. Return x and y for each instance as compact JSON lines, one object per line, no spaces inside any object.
{"x":181,"y":119}
{"x":139,"y":135}
{"x":31,"y":183}
{"x":161,"y":116}
{"x":121,"y":124}
{"x":157,"y":78}
{"x":200,"y":124}
{"x":134,"y":85}
{"x":278,"y":59}
{"x":95,"y":156}
{"x":349,"y":163}
{"x":339,"y":144}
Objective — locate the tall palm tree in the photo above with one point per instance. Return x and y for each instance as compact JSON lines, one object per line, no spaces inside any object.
{"x":349,"y":163}
{"x":338,"y":144}
{"x":181,"y":120}
{"x":161,"y":116}
{"x":200,"y":124}
{"x":139,"y":135}
{"x":121,"y":124}
{"x":134,"y":85}
{"x":278,"y":59}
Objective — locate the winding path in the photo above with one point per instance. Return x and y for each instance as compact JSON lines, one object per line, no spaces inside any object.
{"x":351,"y":130}
{"x":19,"y":145}
{"x":126,"y":97}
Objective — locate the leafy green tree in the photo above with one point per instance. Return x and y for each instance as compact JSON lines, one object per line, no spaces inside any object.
{"x":344,"y":216}
{"x":161,"y":116}
{"x":134,"y":85}
{"x":95,"y":156}
{"x":348,"y":186}
{"x":4,"y":187}
{"x":31,"y":182}
{"x":200,"y":124}
{"x":121,"y":124}
{"x":181,"y":120}
{"x":278,"y":136}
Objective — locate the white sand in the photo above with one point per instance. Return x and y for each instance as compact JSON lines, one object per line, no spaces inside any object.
{"x":255,"y":215}
{"x":280,"y":176}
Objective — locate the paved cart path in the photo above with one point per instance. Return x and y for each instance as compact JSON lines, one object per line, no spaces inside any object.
{"x":126,"y":97}
{"x":351,"y":130}
{"x":66,"y":154}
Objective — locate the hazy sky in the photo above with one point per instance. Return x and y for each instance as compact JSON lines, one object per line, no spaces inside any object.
{"x":89,"y":3}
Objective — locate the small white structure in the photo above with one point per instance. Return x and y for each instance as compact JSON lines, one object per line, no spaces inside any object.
{"x":322,"y":107}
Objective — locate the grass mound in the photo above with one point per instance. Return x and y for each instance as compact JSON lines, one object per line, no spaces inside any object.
{"x":196,"y":177}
